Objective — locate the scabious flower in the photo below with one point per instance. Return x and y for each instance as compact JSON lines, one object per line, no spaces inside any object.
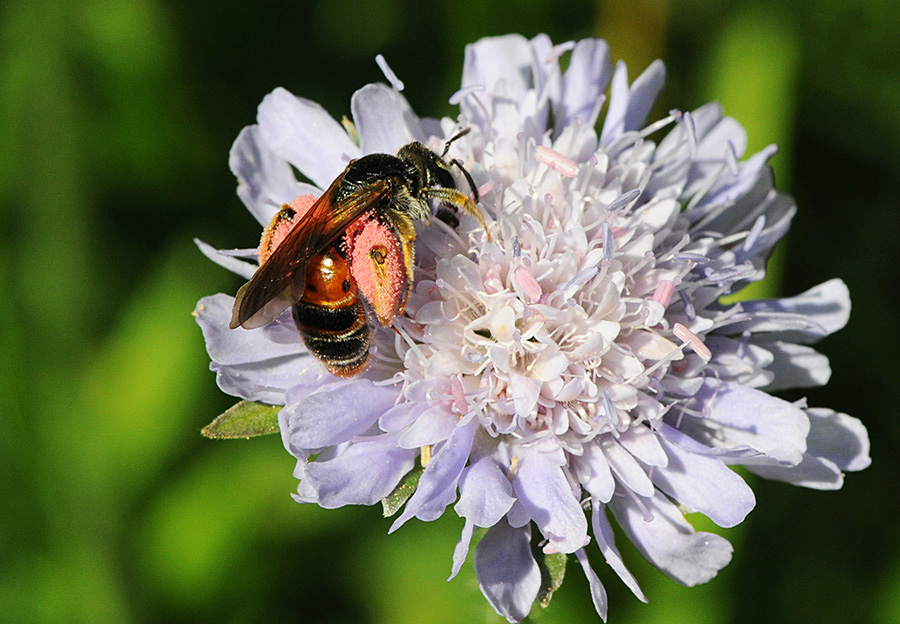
{"x":576,"y":368}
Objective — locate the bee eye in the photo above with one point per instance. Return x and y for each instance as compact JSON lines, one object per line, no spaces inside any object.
{"x":378,"y":254}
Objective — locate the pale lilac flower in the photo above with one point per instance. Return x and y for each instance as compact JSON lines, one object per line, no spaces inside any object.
{"x":578,"y":368}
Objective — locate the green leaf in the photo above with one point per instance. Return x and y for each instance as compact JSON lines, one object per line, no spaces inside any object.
{"x":553,"y":570}
{"x":245,"y":419}
{"x":407,"y":486}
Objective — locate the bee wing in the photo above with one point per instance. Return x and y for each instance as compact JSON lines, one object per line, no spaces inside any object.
{"x":279,"y":282}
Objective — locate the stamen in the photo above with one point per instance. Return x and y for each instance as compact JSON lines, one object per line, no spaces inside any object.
{"x":584,"y":275}
{"x":624,"y":200}
{"x":389,"y":73}
{"x":693,"y":341}
{"x":556,"y":161}
{"x":398,"y":327}
{"x":558,"y":50}
{"x":658,"y":125}
{"x":485,"y":188}
{"x":689,"y":310}
{"x":529,"y":284}
{"x":690,"y":256}
{"x":691,"y":131}
{"x":587,"y":172}
{"x":607,"y":238}
{"x":663,"y":293}
{"x":755,"y":231}
{"x":463,"y":93}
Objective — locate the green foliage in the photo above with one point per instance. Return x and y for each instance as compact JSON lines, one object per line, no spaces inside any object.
{"x":553,"y":572}
{"x":392,"y":503}
{"x":244,"y":419}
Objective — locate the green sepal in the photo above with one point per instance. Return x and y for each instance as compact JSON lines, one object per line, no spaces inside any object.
{"x":245,"y":419}
{"x":553,"y":570}
{"x":406,"y":488}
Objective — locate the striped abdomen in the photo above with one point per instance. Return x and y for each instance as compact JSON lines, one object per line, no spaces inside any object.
{"x":331,"y":317}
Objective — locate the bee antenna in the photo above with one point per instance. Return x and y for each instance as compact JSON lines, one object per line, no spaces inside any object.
{"x":450,"y":141}
{"x":467,"y":176}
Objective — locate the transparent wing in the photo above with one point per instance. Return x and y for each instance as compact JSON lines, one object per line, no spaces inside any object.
{"x":279,"y":282}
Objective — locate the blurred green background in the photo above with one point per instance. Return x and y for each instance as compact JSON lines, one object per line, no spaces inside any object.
{"x":115,"y":122}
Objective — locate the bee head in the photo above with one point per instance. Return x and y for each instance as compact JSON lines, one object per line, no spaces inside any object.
{"x":424,"y":168}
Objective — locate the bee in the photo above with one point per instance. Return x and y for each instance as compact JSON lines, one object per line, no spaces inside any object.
{"x":354,"y":243}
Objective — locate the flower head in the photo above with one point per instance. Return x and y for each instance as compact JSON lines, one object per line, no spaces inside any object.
{"x":577,"y":366}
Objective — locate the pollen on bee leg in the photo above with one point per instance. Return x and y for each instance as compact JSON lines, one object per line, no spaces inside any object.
{"x":282,"y":223}
{"x":377,"y":265}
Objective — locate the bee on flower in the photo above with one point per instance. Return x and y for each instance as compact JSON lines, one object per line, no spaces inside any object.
{"x":562,"y":359}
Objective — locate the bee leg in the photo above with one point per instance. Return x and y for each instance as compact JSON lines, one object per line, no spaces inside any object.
{"x":447,"y":215}
{"x":405,"y":231}
{"x":457,"y":199}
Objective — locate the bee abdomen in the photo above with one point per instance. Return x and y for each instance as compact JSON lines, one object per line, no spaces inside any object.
{"x":338,"y":337}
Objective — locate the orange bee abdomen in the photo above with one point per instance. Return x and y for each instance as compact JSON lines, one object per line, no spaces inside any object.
{"x":330,"y":315}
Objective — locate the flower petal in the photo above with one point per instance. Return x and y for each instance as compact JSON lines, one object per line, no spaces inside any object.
{"x":236,"y":265}
{"x":594,"y":473}
{"x":508,"y":575}
{"x":584,"y":83}
{"x":838,"y":437}
{"x":644,"y":444}
{"x":364,"y":473}
{"x":266,"y":381}
{"x":598,"y":592}
{"x":257,"y":365}
{"x":437,"y":485}
{"x":336,"y":414}
{"x":836,"y":443}
{"x":704,"y":484}
{"x":669,"y":542}
{"x":485,"y":494}
{"x":461,"y":550}
{"x":265,"y":180}
{"x":545,"y":493}
{"x":739,"y":416}
{"x":432,"y":425}
{"x":626,"y":468}
{"x":239,"y":346}
{"x":304,"y":134}
{"x":812,"y":472}
{"x":384,"y":120}
{"x":809,"y":316}
{"x":629,"y":106}
{"x":606,"y":541}
{"x":796,"y":366}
